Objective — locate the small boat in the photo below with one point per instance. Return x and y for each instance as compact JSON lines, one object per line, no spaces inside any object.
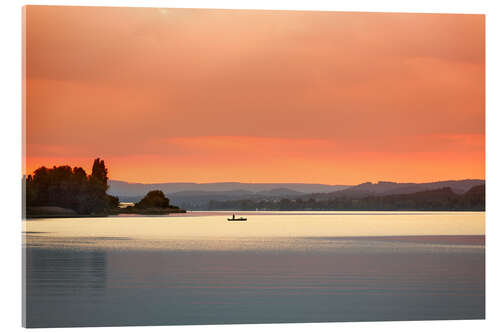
{"x":237,"y":218}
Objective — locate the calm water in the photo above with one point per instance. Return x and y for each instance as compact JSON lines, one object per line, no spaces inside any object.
{"x":277,"y":267}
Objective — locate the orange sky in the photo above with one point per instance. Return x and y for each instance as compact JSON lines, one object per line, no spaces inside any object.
{"x":256,"y":96}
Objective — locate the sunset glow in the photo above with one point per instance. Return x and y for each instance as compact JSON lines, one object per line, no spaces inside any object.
{"x":175,"y":95}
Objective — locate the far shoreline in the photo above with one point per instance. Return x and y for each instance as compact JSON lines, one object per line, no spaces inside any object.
{"x":59,"y":212}
{"x":250,"y":212}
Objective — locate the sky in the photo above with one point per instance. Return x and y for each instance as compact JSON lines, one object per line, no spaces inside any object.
{"x":191,"y":95}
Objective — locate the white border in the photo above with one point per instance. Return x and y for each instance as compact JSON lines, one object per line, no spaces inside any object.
{"x":10,"y":19}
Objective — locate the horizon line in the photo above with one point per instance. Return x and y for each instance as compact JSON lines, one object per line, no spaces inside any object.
{"x":303,"y":183}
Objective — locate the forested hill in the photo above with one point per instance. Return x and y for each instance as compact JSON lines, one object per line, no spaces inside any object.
{"x":126,"y":189}
{"x":196,"y":196}
{"x":444,"y":199}
{"x":383,"y":188}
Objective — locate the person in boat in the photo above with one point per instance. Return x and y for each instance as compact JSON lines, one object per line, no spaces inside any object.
{"x":233,"y":216}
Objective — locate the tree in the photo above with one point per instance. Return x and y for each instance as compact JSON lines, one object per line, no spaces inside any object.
{"x":112,"y":201}
{"x":154,"y":199}
{"x":100,"y":174}
{"x":98,"y":185}
{"x":68,"y":187}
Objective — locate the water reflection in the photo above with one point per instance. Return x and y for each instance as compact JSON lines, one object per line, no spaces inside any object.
{"x":59,"y":280}
{"x":119,"y":288}
{"x":273,"y":269}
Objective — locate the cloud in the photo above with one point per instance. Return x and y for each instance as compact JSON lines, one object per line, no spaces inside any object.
{"x":131,"y":82}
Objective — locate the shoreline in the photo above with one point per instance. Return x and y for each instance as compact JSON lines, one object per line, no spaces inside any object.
{"x":153,"y":213}
{"x":120,"y":211}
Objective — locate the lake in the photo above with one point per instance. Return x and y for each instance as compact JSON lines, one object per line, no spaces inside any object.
{"x":197,"y":268}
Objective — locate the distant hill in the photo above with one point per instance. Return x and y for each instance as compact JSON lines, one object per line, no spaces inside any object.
{"x":131,"y":190}
{"x":200,"y":199}
{"x":442,"y":199}
{"x":198,"y":195}
{"x":281,"y":193}
{"x":383,"y":188}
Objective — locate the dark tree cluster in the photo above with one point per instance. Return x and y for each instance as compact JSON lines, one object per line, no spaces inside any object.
{"x":71,"y":188}
{"x":436,"y":200}
{"x":154,"y":199}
